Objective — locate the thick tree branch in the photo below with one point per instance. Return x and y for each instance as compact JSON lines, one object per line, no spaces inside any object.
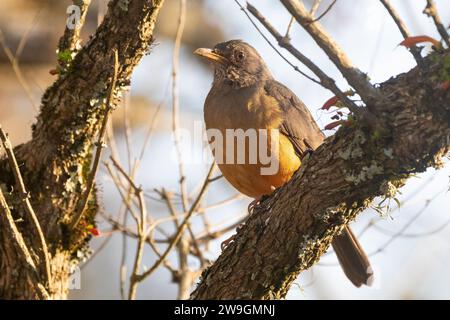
{"x":289,"y":231}
{"x":55,"y":162}
{"x":25,"y":197}
{"x":10,"y":227}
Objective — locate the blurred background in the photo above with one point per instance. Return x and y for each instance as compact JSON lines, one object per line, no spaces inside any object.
{"x":408,"y":246}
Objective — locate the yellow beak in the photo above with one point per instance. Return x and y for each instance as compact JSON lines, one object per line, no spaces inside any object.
{"x":210,"y":55}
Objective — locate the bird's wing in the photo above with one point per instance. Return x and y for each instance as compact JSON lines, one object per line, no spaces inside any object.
{"x":298,"y":124}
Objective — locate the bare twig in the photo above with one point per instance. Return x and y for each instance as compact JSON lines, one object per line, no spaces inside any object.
{"x":431,"y":11}
{"x":127,"y":129}
{"x":355,"y":77}
{"x":25,"y":197}
{"x":183,"y":245}
{"x":288,"y":29}
{"x":100,"y":144}
{"x":17,"y":71}
{"x":180,"y":230}
{"x":403,"y":29}
{"x":323,"y":13}
{"x":315,"y":7}
{"x":142,"y":231}
{"x":216,"y":234}
{"x":21,"y":246}
{"x":24,"y":38}
{"x":403,"y":229}
{"x":284,"y":42}
{"x":175,"y":101}
{"x":125,"y":199}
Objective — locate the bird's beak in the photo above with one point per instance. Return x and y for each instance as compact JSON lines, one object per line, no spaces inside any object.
{"x":211,"y":56}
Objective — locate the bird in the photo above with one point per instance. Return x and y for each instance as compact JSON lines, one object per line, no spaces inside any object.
{"x":245,"y":96}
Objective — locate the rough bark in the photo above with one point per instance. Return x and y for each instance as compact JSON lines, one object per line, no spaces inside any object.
{"x":289,"y":231}
{"x":56,"y":161}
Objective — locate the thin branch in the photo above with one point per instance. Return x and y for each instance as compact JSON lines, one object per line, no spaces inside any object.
{"x":125,"y":199}
{"x":127,"y":129}
{"x":296,"y":68}
{"x":25,"y":197}
{"x":17,"y":71}
{"x":315,"y":7}
{"x":167,"y":196}
{"x":403,"y":229}
{"x":431,"y":11}
{"x":355,"y":77}
{"x":217,"y":234}
{"x":100,"y":144}
{"x":142,"y":231}
{"x":25,"y":36}
{"x":180,"y":230}
{"x":325,"y":80}
{"x":288,"y":30}
{"x":21,"y":246}
{"x":323,"y":13}
{"x":403,"y":29}
{"x":175,"y":101}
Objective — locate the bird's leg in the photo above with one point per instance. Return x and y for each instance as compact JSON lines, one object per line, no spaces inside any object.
{"x":226,"y":242}
{"x":308,"y":152}
{"x":257,"y":201}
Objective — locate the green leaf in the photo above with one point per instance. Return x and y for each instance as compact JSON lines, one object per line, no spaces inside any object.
{"x":65,"y":56}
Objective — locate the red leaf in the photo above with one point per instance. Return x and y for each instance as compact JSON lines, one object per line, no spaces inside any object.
{"x":411,"y":41}
{"x":444,"y":85}
{"x":334,"y":124}
{"x":94,"y":231}
{"x":330,"y":102}
{"x":53,"y":72}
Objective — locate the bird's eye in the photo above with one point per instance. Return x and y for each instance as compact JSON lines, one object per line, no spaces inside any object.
{"x":239,"y":55}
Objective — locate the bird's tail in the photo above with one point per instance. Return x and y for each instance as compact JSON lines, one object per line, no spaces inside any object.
{"x":352,"y":258}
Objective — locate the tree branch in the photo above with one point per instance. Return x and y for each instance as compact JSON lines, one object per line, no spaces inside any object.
{"x":100,"y":145}
{"x":56,"y":162}
{"x":70,"y":41}
{"x":25,"y":197}
{"x":19,"y":243}
{"x":431,"y":11}
{"x":325,"y":80}
{"x":353,"y":75}
{"x":289,"y":231}
{"x":402,"y":28}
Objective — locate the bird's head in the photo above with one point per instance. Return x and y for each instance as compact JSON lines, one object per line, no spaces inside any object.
{"x":236,"y":63}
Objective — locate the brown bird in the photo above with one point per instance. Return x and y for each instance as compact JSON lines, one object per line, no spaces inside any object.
{"x":244,"y":97}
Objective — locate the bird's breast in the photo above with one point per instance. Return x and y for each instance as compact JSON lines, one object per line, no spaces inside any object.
{"x":242,"y":127}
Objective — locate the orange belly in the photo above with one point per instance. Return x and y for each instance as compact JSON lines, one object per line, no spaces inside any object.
{"x":248,"y":178}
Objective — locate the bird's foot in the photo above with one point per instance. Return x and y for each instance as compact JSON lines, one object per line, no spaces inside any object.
{"x":226,"y":242}
{"x":308,"y":152}
{"x":255,"y":202}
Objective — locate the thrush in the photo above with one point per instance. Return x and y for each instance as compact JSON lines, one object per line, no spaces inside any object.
{"x":244,"y":96}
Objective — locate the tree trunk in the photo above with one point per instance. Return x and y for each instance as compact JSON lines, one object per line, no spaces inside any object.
{"x":55,"y":163}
